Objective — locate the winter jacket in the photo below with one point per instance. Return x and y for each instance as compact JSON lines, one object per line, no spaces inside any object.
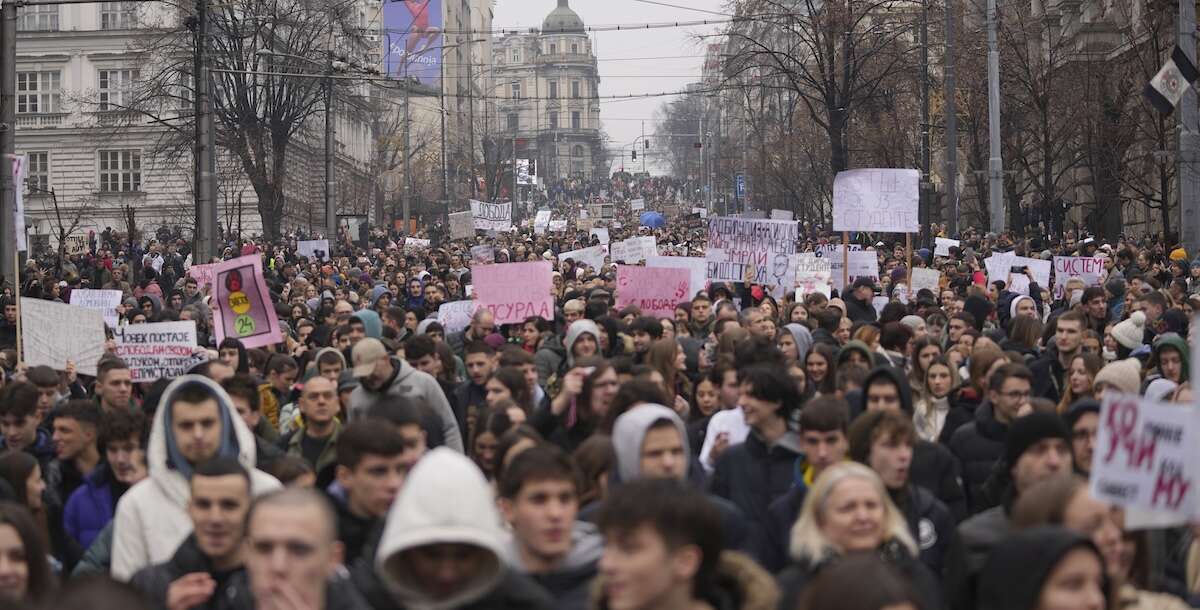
{"x":98,"y":557}
{"x":978,"y":445}
{"x":549,"y":357}
{"x":935,"y":470}
{"x":326,"y":461}
{"x":153,"y":582}
{"x":151,"y":518}
{"x":975,"y":540}
{"x":794,"y":579}
{"x":930,"y":523}
{"x":859,"y":311}
{"x":739,"y":584}
{"x":417,"y":386}
{"x":963,"y":403}
{"x":353,"y":531}
{"x":445,"y":499}
{"x":568,"y":583}
{"x":782,"y":515}
{"x":90,"y":507}
{"x":751,"y":475}
{"x":1048,"y":375}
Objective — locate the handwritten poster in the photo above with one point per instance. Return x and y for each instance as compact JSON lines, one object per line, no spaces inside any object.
{"x":491,"y":216}
{"x":600,"y":234}
{"x":558,"y":225}
{"x":483,"y":255}
{"x":462,"y":225}
{"x":860,"y":263}
{"x":637,"y":205}
{"x":592,"y":256}
{"x":313,"y":249}
{"x":941,"y":246}
{"x":876,"y":200}
{"x":697,"y":269}
{"x":1147,"y":455}
{"x":1090,"y":269}
{"x":813,"y":274}
{"x":53,"y":333}
{"x":158,"y":350}
{"x":204,"y":276}
{"x":655,"y":290}
{"x":766,"y":246}
{"x":999,"y":265}
{"x":242,"y":305}
{"x":634,"y":249}
{"x":925,"y":278}
{"x":515,"y":291}
{"x":456,"y":316}
{"x":103,"y":301}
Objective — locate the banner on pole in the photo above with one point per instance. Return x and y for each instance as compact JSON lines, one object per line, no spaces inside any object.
{"x":491,"y":216}
{"x":515,"y":291}
{"x":53,"y":333}
{"x":876,"y":200}
{"x":244,"y":310}
{"x":158,"y":350}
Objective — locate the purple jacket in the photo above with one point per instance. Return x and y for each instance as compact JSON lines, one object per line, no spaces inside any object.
{"x":90,"y":507}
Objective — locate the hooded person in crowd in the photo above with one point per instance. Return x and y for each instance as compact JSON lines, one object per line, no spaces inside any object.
{"x":1045,"y":568}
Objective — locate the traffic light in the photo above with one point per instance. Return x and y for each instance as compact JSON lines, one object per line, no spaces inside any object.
{"x":635,"y":155}
{"x":647,"y":143}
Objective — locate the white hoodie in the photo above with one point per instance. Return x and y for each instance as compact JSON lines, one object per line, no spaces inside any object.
{"x":444,"y":500}
{"x":151,"y":519}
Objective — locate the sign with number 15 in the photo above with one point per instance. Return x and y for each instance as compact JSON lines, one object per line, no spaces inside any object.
{"x":243,"y":304}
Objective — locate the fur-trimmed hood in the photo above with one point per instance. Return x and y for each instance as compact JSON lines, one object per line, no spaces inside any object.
{"x":740,"y":585}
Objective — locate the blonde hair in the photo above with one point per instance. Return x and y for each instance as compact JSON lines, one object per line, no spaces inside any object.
{"x":809,"y":542}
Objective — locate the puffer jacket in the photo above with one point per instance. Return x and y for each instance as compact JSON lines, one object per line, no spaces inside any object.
{"x":90,"y":507}
{"x":752,"y":475}
{"x":978,"y":445}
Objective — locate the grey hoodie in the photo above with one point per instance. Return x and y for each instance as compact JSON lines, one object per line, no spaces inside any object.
{"x":414,"y":385}
{"x":629,"y":432}
{"x":579,"y":327}
{"x":804,"y":340}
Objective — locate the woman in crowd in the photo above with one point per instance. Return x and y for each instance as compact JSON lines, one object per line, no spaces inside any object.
{"x":508,"y":383}
{"x":668,"y":358}
{"x":1081,"y":373}
{"x":795,"y":341}
{"x":821,"y":369}
{"x":581,"y":405}
{"x":1045,"y":568}
{"x":25,"y":573}
{"x":932,"y":412}
{"x":925,"y":350}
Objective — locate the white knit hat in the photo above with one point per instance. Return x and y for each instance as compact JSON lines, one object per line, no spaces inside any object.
{"x":1130,"y":333}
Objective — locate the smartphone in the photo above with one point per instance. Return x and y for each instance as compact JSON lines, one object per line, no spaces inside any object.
{"x":1020,"y":269}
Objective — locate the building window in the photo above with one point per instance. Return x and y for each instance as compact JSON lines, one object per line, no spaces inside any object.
{"x":120,"y":171}
{"x":116,"y":89}
{"x":512,"y":121}
{"x":117,"y":15}
{"x":575,"y":88}
{"x":38,"y":172}
{"x":577,"y":168}
{"x":576,"y":121}
{"x":575,"y":48}
{"x":577,"y":151}
{"x":37,"y":92}
{"x":183,"y":94}
{"x":37,"y":18}
{"x":516,"y":56}
{"x":516,"y":90}
{"x":553,"y":120}
{"x":553,"y":89}
{"x":553,"y":48}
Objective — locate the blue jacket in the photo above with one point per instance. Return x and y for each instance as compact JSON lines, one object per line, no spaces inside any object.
{"x":90,"y":507}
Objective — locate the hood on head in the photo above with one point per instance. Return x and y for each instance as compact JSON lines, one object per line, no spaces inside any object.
{"x":629,"y":432}
{"x":444,"y":500}
{"x":803,"y":337}
{"x":854,"y":346}
{"x":377,"y":292}
{"x":897,"y":377}
{"x":1180,"y":345}
{"x":371,"y":322}
{"x":1017,"y":569}
{"x":578,"y":328}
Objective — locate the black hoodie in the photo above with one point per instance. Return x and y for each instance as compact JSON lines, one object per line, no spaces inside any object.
{"x":1017,"y":570}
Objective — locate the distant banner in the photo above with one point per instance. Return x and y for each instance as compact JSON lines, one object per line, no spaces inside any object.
{"x":601,"y":234}
{"x":412,"y":41}
{"x":1087,"y":268}
{"x":876,"y":200}
{"x":456,"y":316}
{"x":781,"y":215}
{"x":313,"y":249}
{"x":483,"y":255}
{"x":462,"y":225}
{"x":491,"y":216}
{"x":861,"y":263}
{"x":697,"y":269}
{"x":634,"y":249}
{"x":637,"y":205}
{"x":765,"y":246}
{"x":53,"y":333}
{"x":103,"y":301}
{"x":515,"y":291}
{"x":412,"y":244}
{"x":593,"y":256}
{"x":203,"y":274}
{"x":925,"y":278}
{"x":813,"y":274}
{"x":243,"y":307}
{"x":654,"y":290}
{"x":20,"y":172}
{"x":161,"y":350}
{"x":558,"y":226}
{"x":541,"y":222}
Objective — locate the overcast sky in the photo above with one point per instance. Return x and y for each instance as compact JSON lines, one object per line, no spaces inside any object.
{"x":646,"y":61}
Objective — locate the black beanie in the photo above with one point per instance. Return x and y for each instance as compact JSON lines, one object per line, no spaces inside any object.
{"x":979,"y":307}
{"x":1026,"y":431}
{"x":1078,"y":409}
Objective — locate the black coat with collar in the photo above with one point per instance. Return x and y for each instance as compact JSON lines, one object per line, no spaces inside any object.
{"x":751,"y":475}
{"x":232,"y":593}
{"x":978,"y":446}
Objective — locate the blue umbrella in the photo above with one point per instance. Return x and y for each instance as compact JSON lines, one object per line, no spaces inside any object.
{"x":654,"y":220}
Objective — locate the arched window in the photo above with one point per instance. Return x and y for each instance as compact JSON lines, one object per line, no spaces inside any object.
{"x":577,"y":151}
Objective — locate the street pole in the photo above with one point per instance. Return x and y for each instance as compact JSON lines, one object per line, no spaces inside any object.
{"x":995,"y":163}
{"x":407,"y":202}
{"x":924,"y":212}
{"x":8,"y":139}
{"x":442,"y":104}
{"x":205,"y":147}
{"x":1189,"y":134}
{"x":330,"y":185}
{"x":951,"y":122}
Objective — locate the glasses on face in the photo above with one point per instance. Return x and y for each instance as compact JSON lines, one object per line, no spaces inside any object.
{"x":1016,"y":395}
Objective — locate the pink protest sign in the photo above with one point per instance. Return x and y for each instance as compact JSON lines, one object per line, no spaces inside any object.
{"x":203,"y":274}
{"x":515,"y":291}
{"x":655,"y":290}
{"x":242,"y":303}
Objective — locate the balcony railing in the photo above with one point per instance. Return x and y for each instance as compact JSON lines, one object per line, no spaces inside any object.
{"x":566,"y":58}
{"x":38,"y":121}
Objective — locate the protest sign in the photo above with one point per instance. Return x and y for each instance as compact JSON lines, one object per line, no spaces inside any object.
{"x":1090,"y":269}
{"x":313,"y":249}
{"x":697,"y":269}
{"x":879,"y":303}
{"x":158,"y":350}
{"x":53,"y":333}
{"x":634,"y":249}
{"x":593,"y":256}
{"x":103,"y":301}
{"x":483,"y":255}
{"x":925,"y":278}
{"x":412,"y":244}
{"x":813,"y":274}
{"x":942,"y":246}
{"x":876,"y":200}
{"x":491,"y":216}
{"x":243,"y":307}
{"x":541,"y":222}
{"x":781,"y":215}
{"x":1147,"y":455}
{"x":204,"y":276}
{"x":455,"y":316}
{"x":558,"y":226}
{"x":703,"y":212}
{"x":766,"y":246}
{"x":655,"y":290}
{"x":862,"y":263}
{"x":600,"y":234}
{"x":515,"y":291}
{"x":999,"y":265}
{"x":637,"y":205}
{"x":462,"y":225}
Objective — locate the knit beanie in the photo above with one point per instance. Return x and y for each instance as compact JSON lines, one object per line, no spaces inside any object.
{"x":912,"y":321}
{"x":1012,"y":307}
{"x":1080,"y":408}
{"x":1125,"y":375}
{"x":1130,"y":332}
{"x":1179,"y":254}
{"x":1025,"y":432}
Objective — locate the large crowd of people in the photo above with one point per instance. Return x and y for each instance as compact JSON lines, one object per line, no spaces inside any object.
{"x":750,"y":452}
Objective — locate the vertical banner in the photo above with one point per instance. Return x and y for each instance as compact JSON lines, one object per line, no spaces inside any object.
{"x":158,"y":350}
{"x":515,"y":291}
{"x":655,"y":290}
{"x":412,"y":37}
{"x":244,"y":310}
{"x":765,"y":246}
{"x":876,"y":200}
{"x":20,"y":172}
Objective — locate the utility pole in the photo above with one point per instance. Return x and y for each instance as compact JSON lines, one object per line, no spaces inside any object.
{"x":442,"y":104}
{"x":926,"y":192}
{"x":643,"y":147}
{"x":8,"y":139}
{"x":330,"y":184}
{"x":205,"y":146}
{"x":995,"y":163}
{"x":951,"y":103}
{"x":407,"y":201}
{"x":1189,"y":134}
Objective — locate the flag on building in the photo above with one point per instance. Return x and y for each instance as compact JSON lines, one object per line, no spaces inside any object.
{"x":1172,"y":81}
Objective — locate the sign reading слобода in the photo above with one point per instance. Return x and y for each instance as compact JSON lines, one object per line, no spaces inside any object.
{"x":244,"y":310}
{"x":876,"y":200}
{"x":515,"y":291}
{"x":491,"y":216}
{"x":766,"y":246}
{"x":655,"y":290}
{"x":158,"y":350}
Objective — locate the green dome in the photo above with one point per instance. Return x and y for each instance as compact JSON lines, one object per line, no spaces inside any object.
{"x":562,"y":19}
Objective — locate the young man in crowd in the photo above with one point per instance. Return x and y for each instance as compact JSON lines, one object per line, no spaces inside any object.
{"x":90,"y":508}
{"x":727,"y":427}
{"x":243,"y":393}
{"x":114,"y":385}
{"x":371,"y":467}
{"x":383,"y":377}
{"x":76,"y":432}
{"x":1049,"y":371}
{"x":539,"y":499}
{"x":480,"y":360}
{"x":20,"y":425}
{"x":980,"y":443}
{"x":315,"y":440}
{"x":645,"y":330}
{"x":281,"y":372}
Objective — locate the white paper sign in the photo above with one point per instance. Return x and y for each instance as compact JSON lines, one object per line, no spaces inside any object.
{"x":862,"y":263}
{"x":925,"y":278}
{"x":703,"y":212}
{"x":456,"y":316}
{"x":53,"y":333}
{"x":593,"y":256}
{"x":781,"y":215}
{"x":462,"y":225}
{"x":491,"y":216}
{"x":637,"y":205}
{"x":767,"y":246}
{"x":696,"y":266}
{"x":601,"y":234}
{"x":1087,"y":268}
{"x":813,"y":274}
{"x":103,"y":301}
{"x":942,"y":246}
{"x":999,"y":266}
{"x":558,"y":226}
{"x":876,"y":200}
{"x":158,"y":350}
{"x":634,"y":249}
{"x":313,"y":249}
